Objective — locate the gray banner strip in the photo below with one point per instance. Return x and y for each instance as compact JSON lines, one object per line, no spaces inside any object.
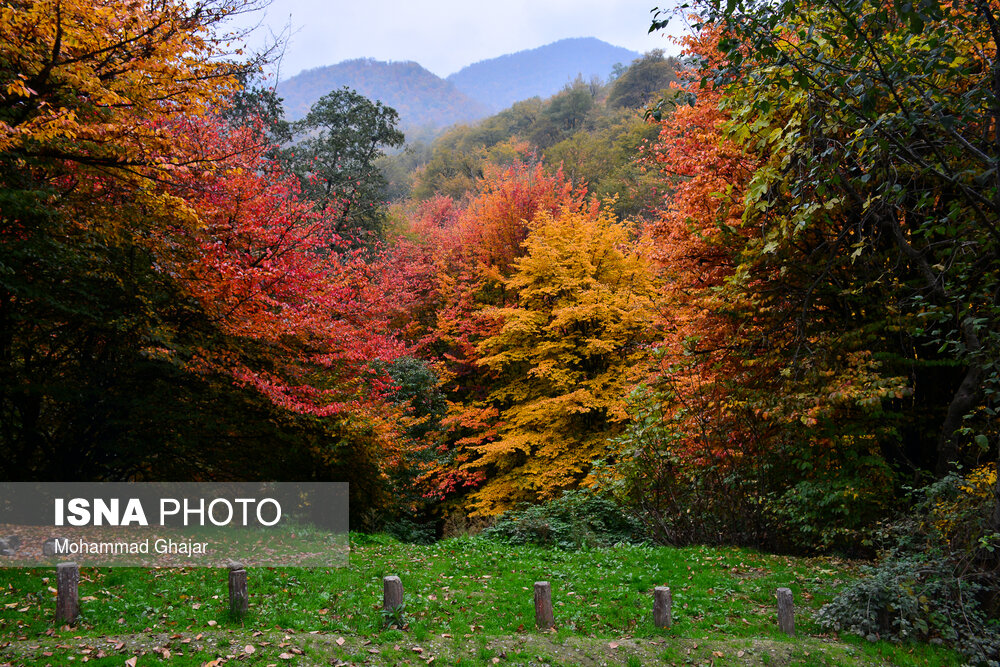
{"x":174,"y":524}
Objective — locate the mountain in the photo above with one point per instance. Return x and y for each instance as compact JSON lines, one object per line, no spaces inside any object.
{"x":499,"y":82}
{"x":421,"y":97}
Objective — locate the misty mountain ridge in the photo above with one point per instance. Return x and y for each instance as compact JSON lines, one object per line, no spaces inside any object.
{"x":540,"y":72}
{"x":421,"y":97}
{"x":425,"y":100}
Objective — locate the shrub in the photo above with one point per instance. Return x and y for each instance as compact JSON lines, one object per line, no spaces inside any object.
{"x":938,"y":580}
{"x":576,"y":520}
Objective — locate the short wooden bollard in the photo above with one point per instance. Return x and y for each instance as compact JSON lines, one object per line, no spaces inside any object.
{"x":392,"y":593}
{"x":67,"y":592}
{"x":786,"y":611}
{"x":544,"y":618}
{"x":661,"y":607}
{"x":239,"y":599}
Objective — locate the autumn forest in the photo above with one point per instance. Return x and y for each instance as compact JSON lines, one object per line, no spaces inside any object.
{"x":746,"y":296}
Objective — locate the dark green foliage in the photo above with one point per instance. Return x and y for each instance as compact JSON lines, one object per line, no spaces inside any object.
{"x":899,"y":135}
{"x":564,"y":115}
{"x":410,"y":531}
{"x":93,"y":342}
{"x":647,"y":78}
{"x":417,"y":389}
{"x":916,"y":597}
{"x":395,"y":617}
{"x":686,"y":485}
{"x":603,"y":157}
{"x":576,"y":520}
{"x":337,"y":145}
{"x":674,"y":494}
{"x":937,"y":581}
{"x":406,"y":515}
{"x":256,"y":103}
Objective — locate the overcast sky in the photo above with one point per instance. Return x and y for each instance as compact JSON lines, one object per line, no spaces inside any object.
{"x":446,"y":35}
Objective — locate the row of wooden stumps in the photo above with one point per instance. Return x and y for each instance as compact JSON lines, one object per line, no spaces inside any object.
{"x":68,"y":599}
{"x":392,"y":597}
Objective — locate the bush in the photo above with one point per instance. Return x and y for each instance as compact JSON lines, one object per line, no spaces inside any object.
{"x":410,"y":531}
{"x":577,"y":520}
{"x":712,"y":470}
{"x":938,"y":581}
{"x":678,"y":487}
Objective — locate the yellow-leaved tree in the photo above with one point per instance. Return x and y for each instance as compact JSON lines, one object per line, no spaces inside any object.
{"x":567,"y":355}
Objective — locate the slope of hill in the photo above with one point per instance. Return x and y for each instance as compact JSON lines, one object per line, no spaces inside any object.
{"x":421,"y":97}
{"x":499,"y":82}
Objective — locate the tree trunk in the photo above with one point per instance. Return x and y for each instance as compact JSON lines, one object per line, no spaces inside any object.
{"x":961,"y":403}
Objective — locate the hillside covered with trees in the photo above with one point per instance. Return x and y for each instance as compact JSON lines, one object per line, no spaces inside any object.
{"x":420,"y":97}
{"x":744,"y":297}
{"x":584,"y":129}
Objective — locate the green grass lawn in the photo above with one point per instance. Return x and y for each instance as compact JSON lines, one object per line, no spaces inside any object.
{"x":468,"y":602}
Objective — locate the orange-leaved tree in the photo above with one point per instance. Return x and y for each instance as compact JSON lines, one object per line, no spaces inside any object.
{"x":569,"y":347}
{"x":462,"y":261}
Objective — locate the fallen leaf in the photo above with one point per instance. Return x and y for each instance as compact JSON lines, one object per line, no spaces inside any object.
{"x":213,"y":623}
{"x":286,"y":656}
{"x":340,"y":641}
{"x":131,"y":661}
{"x":248,"y":649}
{"x":613,"y":645}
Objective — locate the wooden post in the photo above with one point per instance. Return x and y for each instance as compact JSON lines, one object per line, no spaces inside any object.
{"x":544,"y":617}
{"x":786,"y":612}
{"x":661,"y":607}
{"x":392,"y":593}
{"x":67,"y":593}
{"x":239,"y":599}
